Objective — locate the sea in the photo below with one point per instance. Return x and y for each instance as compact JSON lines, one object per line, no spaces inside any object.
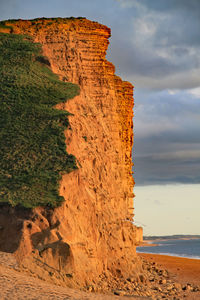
{"x":180,"y":248}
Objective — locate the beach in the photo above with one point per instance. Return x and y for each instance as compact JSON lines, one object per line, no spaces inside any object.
{"x":163,"y":277}
{"x":18,"y":285}
{"x":183,"y":270}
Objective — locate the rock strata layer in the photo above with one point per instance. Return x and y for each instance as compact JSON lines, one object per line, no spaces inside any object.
{"x":92,"y":232}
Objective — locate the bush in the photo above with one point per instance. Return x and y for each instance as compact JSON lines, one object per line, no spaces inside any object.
{"x":32,"y":143}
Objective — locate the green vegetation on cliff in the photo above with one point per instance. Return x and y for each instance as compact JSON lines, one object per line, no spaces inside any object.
{"x":32,"y":143}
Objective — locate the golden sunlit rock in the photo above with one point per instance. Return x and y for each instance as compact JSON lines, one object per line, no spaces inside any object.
{"x":92,"y":232}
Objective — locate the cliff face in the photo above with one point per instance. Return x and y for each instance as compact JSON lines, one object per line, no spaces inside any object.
{"x":139,"y":235}
{"x":92,"y":231}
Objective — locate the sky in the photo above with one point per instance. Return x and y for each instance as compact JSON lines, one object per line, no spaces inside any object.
{"x":155,"y":45}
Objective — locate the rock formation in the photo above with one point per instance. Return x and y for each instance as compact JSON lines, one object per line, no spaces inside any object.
{"x":92,"y":232}
{"x":139,"y":235}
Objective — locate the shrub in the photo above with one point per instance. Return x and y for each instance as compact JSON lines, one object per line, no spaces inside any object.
{"x":32,"y":143}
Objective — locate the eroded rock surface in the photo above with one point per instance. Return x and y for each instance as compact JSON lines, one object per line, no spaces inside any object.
{"x":92,"y":232}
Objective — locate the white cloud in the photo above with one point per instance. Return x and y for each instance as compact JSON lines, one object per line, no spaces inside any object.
{"x":127,"y":3}
{"x":145,"y":128}
{"x":173,"y":92}
{"x":144,"y":28}
{"x":195,"y":92}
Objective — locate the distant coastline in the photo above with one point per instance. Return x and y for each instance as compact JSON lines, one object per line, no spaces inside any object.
{"x":179,"y":247}
{"x":147,"y":243}
{"x":170,"y":237}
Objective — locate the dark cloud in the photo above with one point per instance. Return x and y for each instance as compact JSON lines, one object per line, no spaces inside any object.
{"x":192,"y":6}
{"x":162,"y":43}
{"x":150,"y":170}
{"x":166,"y":166}
{"x":167,"y":140}
{"x":136,"y":61}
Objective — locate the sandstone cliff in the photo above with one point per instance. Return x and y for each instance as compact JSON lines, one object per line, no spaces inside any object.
{"x":92,"y":232}
{"x":139,"y":235}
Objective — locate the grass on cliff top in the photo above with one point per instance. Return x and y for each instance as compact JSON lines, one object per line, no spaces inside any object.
{"x":57,"y":20}
{"x":32,"y":143}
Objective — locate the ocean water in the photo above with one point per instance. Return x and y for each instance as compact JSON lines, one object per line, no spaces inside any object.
{"x":180,"y":248}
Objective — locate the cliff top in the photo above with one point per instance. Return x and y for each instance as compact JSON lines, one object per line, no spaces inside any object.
{"x":11,"y":26}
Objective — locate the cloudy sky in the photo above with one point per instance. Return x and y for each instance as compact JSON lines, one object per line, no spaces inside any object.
{"x":155,"y":44}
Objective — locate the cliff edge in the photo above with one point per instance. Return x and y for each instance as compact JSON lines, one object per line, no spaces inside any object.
{"x":92,"y":232}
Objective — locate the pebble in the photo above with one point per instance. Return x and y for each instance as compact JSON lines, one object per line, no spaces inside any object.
{"x":142,"y":278}
{"x":119,"y":293}
{"x":163,"y":281}
{"x":154,"y":283}
{"x":170,"y":287}
{"x":177,"y":286}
